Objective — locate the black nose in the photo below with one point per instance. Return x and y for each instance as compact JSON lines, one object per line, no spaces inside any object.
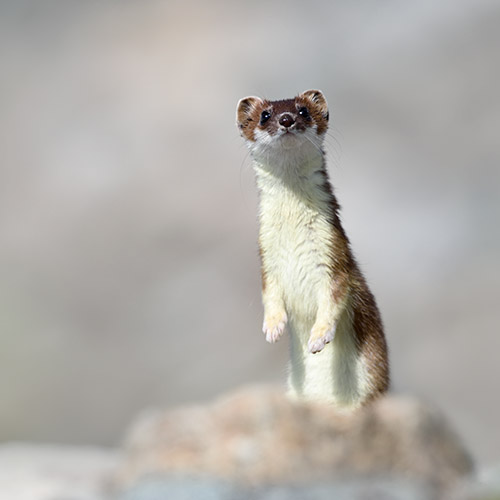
{"x":286,"y":120}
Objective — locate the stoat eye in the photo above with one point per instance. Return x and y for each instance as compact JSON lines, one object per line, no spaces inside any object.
{"x":304,"y":112}
{"x":264,"y":116}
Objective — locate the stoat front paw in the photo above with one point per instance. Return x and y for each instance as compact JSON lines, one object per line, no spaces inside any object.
{"x":274,"y":326}
{"x":320,"y":336}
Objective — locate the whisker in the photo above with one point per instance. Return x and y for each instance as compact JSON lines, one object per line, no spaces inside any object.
{"x":317,"y":146}
{"x":335,"y":147}
{"x":245,"y":166}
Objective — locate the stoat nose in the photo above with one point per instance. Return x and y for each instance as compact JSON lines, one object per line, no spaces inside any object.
{"x":286,"y":120}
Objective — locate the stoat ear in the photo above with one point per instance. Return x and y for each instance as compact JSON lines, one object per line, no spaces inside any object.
{"x":317,"y":97}
{"x":245,"y":109}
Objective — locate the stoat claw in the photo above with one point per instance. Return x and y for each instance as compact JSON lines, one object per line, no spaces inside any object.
{"x":317,"y":342}
{"x":274,"y":327}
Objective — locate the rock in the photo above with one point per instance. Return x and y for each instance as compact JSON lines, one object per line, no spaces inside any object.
{"x":51,"y":472}
{"x":485,"y":486}
{"x":204,"y":489}
{"x":257,"y":437}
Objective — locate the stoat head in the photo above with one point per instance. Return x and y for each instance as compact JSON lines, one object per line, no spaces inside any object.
{"x":286,"y":128}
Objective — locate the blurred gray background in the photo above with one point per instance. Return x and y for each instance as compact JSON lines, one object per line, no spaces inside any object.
{"x":128,"y":255}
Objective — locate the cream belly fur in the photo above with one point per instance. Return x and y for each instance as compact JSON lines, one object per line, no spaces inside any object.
{"x":296,"y":234}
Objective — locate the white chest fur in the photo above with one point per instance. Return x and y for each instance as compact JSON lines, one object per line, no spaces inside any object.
{"x":296,"y":238}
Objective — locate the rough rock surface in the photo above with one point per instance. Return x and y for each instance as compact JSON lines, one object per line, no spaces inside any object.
{"x":256,"y":437}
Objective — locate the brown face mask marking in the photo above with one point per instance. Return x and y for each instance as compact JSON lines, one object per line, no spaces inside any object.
{"x":305,"y":110}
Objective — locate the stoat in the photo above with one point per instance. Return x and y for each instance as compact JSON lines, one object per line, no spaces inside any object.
{"x":311,"y":283}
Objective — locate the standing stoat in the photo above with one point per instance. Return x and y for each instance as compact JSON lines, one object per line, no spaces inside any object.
{"x":310,"y":280}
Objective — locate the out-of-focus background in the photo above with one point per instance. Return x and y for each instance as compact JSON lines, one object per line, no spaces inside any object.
{"x":128,"y":255}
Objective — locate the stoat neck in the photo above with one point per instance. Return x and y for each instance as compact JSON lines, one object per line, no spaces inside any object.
{"x":307,"y":183}
{"x":293,"y":174}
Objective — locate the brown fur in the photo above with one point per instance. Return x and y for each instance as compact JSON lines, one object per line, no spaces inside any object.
{"x":367,"y":321}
